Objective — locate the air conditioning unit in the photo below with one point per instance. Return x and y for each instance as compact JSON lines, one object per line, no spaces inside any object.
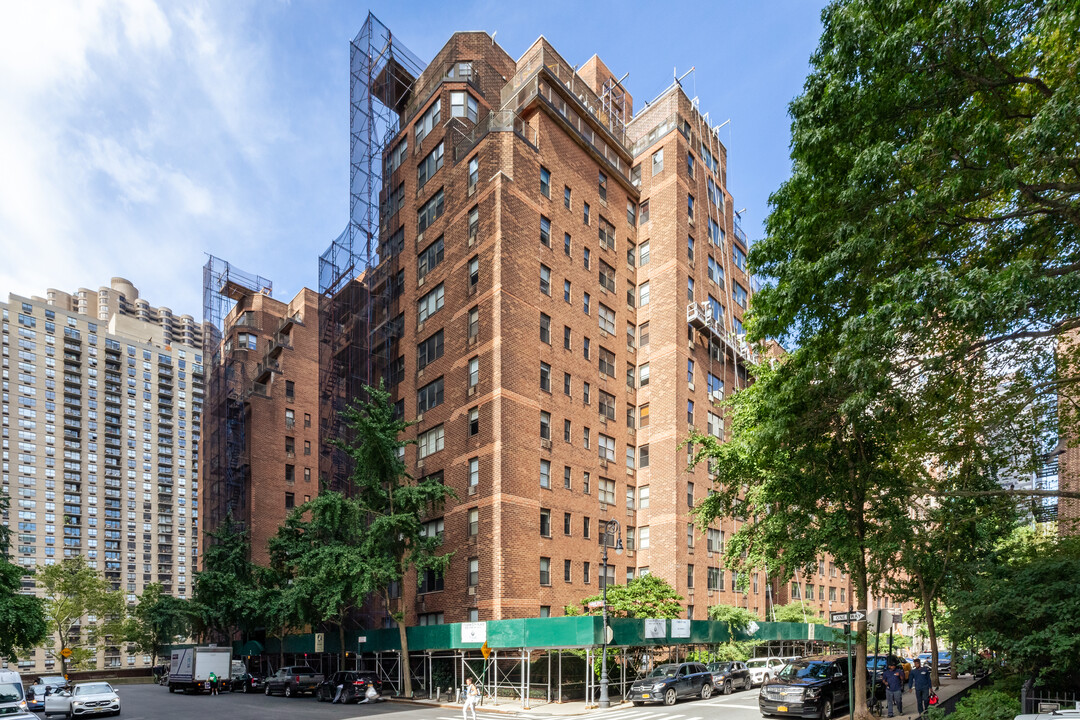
{"x":419,"y":417}
{"x":630,"y":432}
{"x":420,"y":282}
{"x":472,"y":590}
{"x":690,"y":387}
{"x":472,"y":390}
{"x":603,"y":462}
{"x":472,"y":489}
{"x":545,"y":443}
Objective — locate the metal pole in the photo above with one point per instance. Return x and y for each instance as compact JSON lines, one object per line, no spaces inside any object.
{"x":850,"y":670}
{"x":877,"y":644}
{"x":605,"y":703}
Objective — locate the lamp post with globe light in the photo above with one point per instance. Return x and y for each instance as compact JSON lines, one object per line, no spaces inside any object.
{"x":610,"y":527}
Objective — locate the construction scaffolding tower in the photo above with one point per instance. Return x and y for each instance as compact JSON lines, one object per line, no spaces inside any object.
{"x":358,"y":316}
{"x":226,"y":464}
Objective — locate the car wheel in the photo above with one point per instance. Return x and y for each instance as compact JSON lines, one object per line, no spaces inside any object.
{"x":749,"y":683}
{"x":826,"y":709}
{"x":706,"y":691}
{"x":266,"y":691}
{"x":246,"y":687}
{"x":638,"y":703}
{"x":288,"y":691}
{"x":670,"y":697}
{"x":727,"y":687}
{"x":172,"y":689}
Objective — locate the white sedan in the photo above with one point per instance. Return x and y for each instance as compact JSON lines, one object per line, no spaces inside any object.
{"x":88,"y":698}
{"x":764,"y":669}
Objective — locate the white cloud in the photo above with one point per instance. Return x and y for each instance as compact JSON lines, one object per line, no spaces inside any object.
{"x":134,"y":137}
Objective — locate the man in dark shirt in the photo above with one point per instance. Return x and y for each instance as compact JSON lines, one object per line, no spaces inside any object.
{"x":893,"y":677}
{"x":921,"y":682}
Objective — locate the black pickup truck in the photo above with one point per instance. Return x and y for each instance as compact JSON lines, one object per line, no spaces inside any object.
{"x":668,"y":683}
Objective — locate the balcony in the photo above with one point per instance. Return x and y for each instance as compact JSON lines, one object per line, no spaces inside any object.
{"x":700,"y":318}
{"x":266,"y":368}
{"x":278,"y":342}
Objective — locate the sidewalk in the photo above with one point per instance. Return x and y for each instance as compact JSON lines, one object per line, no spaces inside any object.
{"x":948,"y":688}
{"x":512,"y":706}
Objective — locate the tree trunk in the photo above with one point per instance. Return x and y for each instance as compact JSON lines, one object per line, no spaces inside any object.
{"x":341,"y":639}
{"x":857,"y":705}
{"x":405,"y":671}
{"x":931,"y":630}
{"x":281,"y":649}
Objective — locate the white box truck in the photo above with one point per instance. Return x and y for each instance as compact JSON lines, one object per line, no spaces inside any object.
{"x":191,"y":667}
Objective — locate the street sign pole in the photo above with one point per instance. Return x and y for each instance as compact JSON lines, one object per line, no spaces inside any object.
{"x":850,"y":668}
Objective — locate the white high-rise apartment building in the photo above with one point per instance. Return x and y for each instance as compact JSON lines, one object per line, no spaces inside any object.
{"x":100,"y":426}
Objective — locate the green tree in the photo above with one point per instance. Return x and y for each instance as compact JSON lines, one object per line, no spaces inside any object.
{"x":276,"y":605}
{"x":320,"y":547}
{"x":393,"y":541}
{"x":82,"y":611}
{"x":156,"y":622}
{"x":1023,"y":602}
{"x":223,"y":597}
{"x":22,"y":617}
{"x":797,"y":612}
{"x":648,"y":596}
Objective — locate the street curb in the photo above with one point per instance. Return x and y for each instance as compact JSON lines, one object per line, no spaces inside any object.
{"x":500,"y":711}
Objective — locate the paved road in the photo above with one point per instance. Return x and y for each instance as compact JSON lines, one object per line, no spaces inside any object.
{"x":151,"y":702}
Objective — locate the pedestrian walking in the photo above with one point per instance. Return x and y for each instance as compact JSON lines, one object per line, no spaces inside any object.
{"x":212,"y":681}
{"x":921,"y":682}
{"x":472,"y":697}
{"x":893,"y":678}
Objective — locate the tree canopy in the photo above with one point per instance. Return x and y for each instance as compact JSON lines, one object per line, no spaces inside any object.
{"x":156,"y":622}
{"x":648,"y":596}
{"x":81,"y":610}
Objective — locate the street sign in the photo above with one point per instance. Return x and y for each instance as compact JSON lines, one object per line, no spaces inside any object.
{"x":485,"y":651}
{"x":596,"y":604}
{"x":65,"y":653}
{"x":880,"y":620}
{"x":320,"y":642}
{"x":854,"y":616}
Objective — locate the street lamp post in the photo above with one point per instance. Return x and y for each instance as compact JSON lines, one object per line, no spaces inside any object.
{"x":605,"y":702}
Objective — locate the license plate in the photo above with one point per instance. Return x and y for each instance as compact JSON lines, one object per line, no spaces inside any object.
{"x":781,"y":708}
{"x":644,"y":695}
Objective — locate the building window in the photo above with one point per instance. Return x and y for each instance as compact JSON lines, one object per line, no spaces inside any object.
{"x":290,"y":501}
{"x":545,"y":328}
{"x":566,"y":524}
{"x":431,"y":164}
{"x":430,"y":581}
{"x":429,"y":351}
{"x":429,"y":396}
{"x":689,"y":535}
{"x":586,"y":348}
{"x":545,"y":280}
{"x":689,"y":165}
{"x":586,"y":438}
{"x":658,"y":162}
{"x":585,"y":213}
{"x":290,"y":417}
{"x":474,"y":323}
{"x":545,"y":473}
{"x":545,"y":571}
{"x":607,"y":405}
{"x":713,"y":579}
{"x":738,"y":257}
{"x":643,"y":497}
{"x":607,"y":276}
{"x":586,"y":528}
{"x":307,"y":420}
{"x":430,"y":303}
{"x":714,"y":541}
{"x":643,"y":374}
{"x":474,"y":522}
{"x":689,"y":289}
{"x":607,"y":447}
{"x":690,"y":206}
{"x":643,"y":334}
{"x":643,"y":294}
{"x":307,"y":447}
{"x":738,"y":294}
{"x":689,"y":576}
{"x":290,"y":390}
{"x":290,"y":446}
{"x":474,"y":171}
{"x":566,"y":291}
{"x":430,"y":442}
{"x":474,"y":472}
{"x":290,"y":473}
{"x":430,"y":211}
{"x":545,"y":231}
{"x":607,"y":491}
{"x":585,"y":572}
{"x":606,"y":234}
{"x":474,"y":372}
{"x":566,"y":244}
{"x":474,"y":272}
{"x":631,"y":213}
{"x":602,"y":186}
{"x":545,"y":425}
{"x":474,"y":225}
{"x":643,"y":537}
{"x":586,"y":255}
{"x":567,"y":565}
{"x":643,"y":254}
{"x":643,"y":456}
{"x":566,"y":477}
{"x":429,"y":120}
{"x":545,"y":182}
{"x":545,"y":522}
{"x":690,"y":411}
{"x":566,"y":337}
{"x":462,"y":104}
{"x":474,"y":421}
{"x":474,"y":572}
{"x":545,"y":377}
{"x":568,"y":435}
{"x":585,"y":480}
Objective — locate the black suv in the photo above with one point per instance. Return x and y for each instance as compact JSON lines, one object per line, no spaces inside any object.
{"x":668,"y":683}
{"x":810,"y":687}
{"x":353,"y":686}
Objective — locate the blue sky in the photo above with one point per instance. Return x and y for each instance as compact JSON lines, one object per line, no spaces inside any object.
{"x":137,"y":136}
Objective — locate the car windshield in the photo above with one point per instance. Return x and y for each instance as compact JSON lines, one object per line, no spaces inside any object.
{"x":53,"y":681}
{"x":719,"y":667}
{"x":664,"y":671}
{"x":93,"y":689}
{"x":809,"y":670}
{"x":10,"y":692}
{"x":756,"y":663}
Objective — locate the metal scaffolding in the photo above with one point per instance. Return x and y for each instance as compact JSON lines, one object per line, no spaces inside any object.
{"x":225,"y":458}
{"x":359,"y":323}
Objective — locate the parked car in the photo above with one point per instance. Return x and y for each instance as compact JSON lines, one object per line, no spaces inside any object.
{"x":668,"y":683}
{"x":729,"y":675}
{"x":88,"y":698}
{"x":1072,"y":714}
{"x":246,"y":682}
{"x":762,"y":669}
{"x":810,"y":687}
{"x":356,"y":687}
{"x":56,"y":682}
{"x":881,"y":662}
{"x":35,"y":696}
{"x":292,"y":681}
{"x":12,"y":695}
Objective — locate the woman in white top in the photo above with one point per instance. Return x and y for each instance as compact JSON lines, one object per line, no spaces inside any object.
{"x":472,"y":697}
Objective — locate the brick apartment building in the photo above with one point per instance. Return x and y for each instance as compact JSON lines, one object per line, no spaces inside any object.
{"x":261,"y":443}
{"x":563,"y":286}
